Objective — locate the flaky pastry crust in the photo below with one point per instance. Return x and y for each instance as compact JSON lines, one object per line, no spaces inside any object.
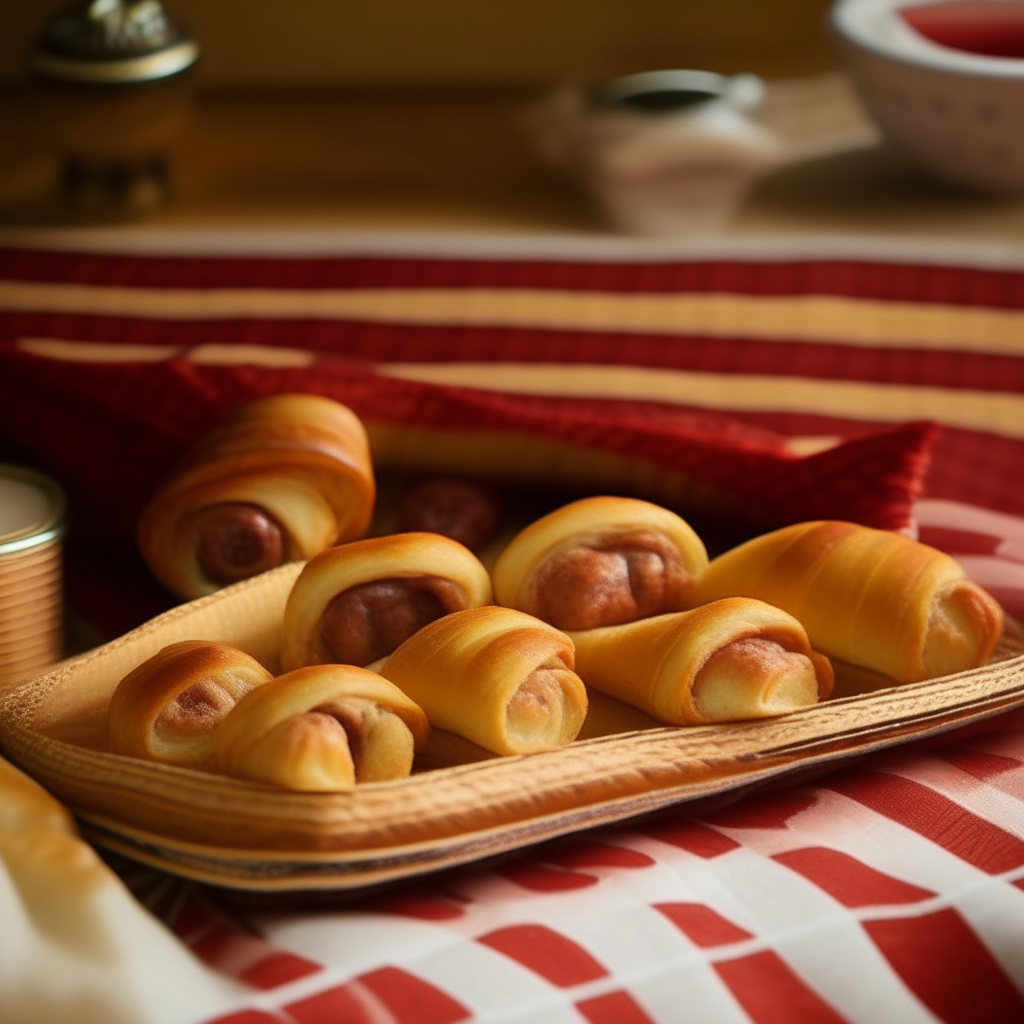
{"x":495,"y":676}
{"x":279,"y":480}
{"x":169,"y":707}
{"x":868,"y":597}
{"x":726,"y":661}
{"x":598,"y":562}
{"x":322,"y":728}
{"x":356,"y":602}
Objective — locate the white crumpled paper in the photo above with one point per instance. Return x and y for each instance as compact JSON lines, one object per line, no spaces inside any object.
{"x":75,"y":946}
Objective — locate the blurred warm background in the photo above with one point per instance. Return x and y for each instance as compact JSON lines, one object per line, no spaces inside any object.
{"x":410,"y":113}
{"x":400,"y":110}
{"x":344,"y":42}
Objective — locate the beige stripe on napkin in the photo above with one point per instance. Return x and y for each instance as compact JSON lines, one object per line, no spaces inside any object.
{"x":992,"y":412}
{"x":807,"y":317}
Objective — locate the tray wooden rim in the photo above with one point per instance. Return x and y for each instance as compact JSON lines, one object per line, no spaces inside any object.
{"x":313,"y":871}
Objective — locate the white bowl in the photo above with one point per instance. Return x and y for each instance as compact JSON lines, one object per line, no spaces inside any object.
{"x":957,"y":115}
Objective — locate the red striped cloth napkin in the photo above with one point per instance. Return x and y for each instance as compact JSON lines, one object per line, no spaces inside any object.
{"x":892,"y":891}
{"x":800,"y":339}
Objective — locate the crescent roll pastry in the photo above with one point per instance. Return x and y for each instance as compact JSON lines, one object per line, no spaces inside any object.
{"x":722,"y":662}
{"x":322,"y":728}
{"x":277,"y":481}
{"x":497,"y":677}
{"x":868,"y":597}
{"x":355,"y":603}
{"x":168,"y":708}
{"x":598,"y":562}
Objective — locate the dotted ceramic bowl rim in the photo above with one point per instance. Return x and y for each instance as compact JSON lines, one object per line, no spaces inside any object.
{"x":850,"y":19}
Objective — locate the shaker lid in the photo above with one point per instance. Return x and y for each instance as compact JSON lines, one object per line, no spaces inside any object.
{"x":113,"y":42}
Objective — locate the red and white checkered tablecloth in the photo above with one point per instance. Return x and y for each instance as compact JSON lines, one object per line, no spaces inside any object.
{"x":889,"y":891}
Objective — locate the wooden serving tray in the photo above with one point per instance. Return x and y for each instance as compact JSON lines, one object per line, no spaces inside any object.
{"x":248,"y":836}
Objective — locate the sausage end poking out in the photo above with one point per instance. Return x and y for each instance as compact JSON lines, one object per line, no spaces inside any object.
{"x":380,"y":743}
{"x":369,"y":621}
{"x":536,"y":714}
{"x":195,"y":711}
{"x":332,"y":747}
{"x":755,"y":677}
{"x":629,"y":578}
{"x":237,"y":540}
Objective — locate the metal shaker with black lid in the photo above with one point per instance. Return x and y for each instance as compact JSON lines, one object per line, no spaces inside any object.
{"x":116,"y":95}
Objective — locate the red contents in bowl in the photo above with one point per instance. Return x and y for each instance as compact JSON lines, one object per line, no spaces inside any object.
{"x":994,"y":28}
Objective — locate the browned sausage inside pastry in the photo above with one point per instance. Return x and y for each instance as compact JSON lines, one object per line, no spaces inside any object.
{"x":722,"y":662}
{"x":355,"y":603}
{"x":599,"y":562}
{"x":461,"y":509}
{"x":169,"y":707}
{"x":277,"y":481}
{"x":497,"y":677}
{"x":868,"y":597}
{"x":322,"y":728}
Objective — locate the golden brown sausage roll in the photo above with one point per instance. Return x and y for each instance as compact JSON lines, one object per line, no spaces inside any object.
{"x":355,"y":603}
{"x":279,"y":480}
{"x":722,"y":662}
{"x":322,"y":728}
{"x":868,"y":597}
{"x":599,"y":562}
{"x":169,"y":707}
{"x":497,"y":677}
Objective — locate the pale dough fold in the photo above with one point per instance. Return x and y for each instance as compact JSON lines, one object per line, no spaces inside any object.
{"x":322,"y":728}
{"x":497,"y":677}
{"x":868,"y":597}
{"x":726,"y":661}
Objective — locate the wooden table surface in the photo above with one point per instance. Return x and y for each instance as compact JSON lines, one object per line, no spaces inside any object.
{"x":445,"y":157}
